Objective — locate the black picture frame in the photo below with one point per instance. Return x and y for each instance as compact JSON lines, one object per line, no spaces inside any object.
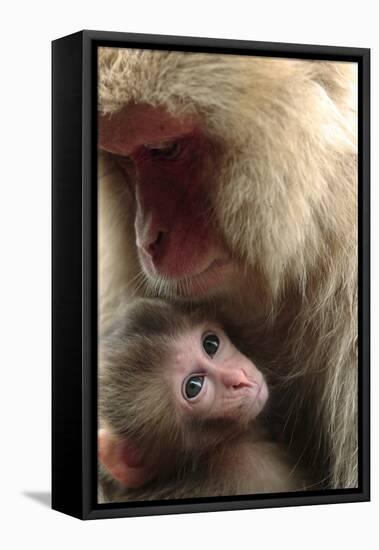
{"x":74,"y":272}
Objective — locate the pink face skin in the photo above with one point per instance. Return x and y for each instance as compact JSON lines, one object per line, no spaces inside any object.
{"x":232,"y":389}
{"x":175,"y":239}
{"x":232,"y":386}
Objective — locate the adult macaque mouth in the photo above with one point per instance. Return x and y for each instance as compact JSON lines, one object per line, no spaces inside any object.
{"x":213,"y":276}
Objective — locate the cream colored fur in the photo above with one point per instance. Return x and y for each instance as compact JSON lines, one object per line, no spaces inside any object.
{"x":286,"y":203}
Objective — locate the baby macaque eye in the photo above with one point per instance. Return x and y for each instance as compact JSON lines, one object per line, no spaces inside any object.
{"x":211,"y":343}
{"x":193,"y":386}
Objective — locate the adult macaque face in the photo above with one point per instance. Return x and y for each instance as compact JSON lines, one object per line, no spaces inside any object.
{"x":168,"y":163}
{"x":211,"y":379}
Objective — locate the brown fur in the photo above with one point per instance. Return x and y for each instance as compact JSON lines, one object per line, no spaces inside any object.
{"x":285,"y":202}
{"x":192,"y":458}
{"x":265,"y":468}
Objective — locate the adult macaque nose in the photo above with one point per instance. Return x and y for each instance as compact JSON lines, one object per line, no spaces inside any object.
{"x":235,"y":378}
{"x":150,"y":235}
{"x":154,"y":243}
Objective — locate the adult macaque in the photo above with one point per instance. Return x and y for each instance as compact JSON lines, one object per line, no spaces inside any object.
{"x":178,"y":409}
{"x":232,"y":179}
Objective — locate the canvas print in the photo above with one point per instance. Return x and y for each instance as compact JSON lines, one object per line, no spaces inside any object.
{"x":227,"y":275}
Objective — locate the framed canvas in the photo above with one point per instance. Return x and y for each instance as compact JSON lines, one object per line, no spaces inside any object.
{"x":210,"y":275}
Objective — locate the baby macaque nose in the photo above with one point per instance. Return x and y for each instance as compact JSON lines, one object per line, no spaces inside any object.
{"x":235,"y":378}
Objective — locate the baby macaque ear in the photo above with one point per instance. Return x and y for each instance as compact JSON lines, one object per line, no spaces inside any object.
{"x":122,"y":460}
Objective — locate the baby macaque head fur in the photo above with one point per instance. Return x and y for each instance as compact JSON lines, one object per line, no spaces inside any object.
{"x":172,"y":385}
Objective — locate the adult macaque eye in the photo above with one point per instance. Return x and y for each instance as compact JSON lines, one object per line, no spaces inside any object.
{"x":165,"y":150}
{"x":123,"y":160}
{"x":211,"y":344}
{"x":193,"y":386}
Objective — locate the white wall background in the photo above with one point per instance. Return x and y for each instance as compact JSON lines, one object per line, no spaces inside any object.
{"x":26,"y":31}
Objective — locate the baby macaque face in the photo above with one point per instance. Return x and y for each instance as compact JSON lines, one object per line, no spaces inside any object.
{"x":212,"y":379}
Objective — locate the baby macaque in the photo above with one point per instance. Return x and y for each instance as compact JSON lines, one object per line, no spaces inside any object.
{"x":179,"y":407}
